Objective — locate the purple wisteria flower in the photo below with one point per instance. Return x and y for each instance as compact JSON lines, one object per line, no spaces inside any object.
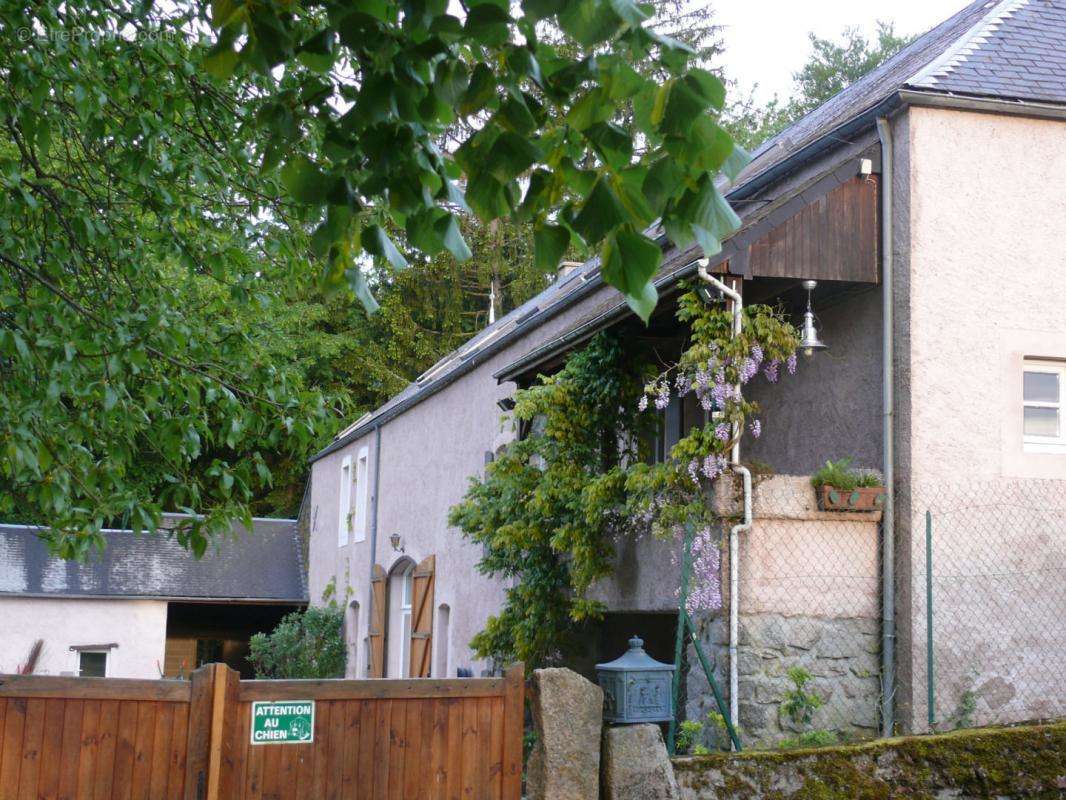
{"x":722,"y":432}
{"x":683,"y":384}
{"x":706,"y":588}
{"x":713,"y":466}
{"x":642,"y":405}
{"x":791,"y":364}
{"x":662,"y":399}
{"x":770,"y":370}
{"x":748,"y":369}
{"x":694,"y":469}
{"x":756,"y":428}
{"x":756,"y":353}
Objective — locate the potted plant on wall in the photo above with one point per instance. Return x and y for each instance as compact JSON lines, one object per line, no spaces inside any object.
{"x":841,"y":487}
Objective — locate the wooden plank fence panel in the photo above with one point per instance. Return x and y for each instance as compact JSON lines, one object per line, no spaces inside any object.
{"x":77,"y":739}
{"x":70,"y":749}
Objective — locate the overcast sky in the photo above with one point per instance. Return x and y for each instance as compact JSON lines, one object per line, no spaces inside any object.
{"x":765,"y":42}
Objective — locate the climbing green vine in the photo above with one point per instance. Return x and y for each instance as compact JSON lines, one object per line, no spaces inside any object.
{"x":550,"y":508}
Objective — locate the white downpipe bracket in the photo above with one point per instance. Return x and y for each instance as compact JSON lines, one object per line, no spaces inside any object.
{"x":736,"y":530}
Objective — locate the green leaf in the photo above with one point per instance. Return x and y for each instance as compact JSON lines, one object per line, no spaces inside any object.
{"x":629,"y":12}
{"x":703,"y":216}
{"x":629,"y":262}
{"x":612,"y":143}
{"x":451,"y":81}
{"x":592,"y":108}
{"x":482,"y":88}
{"x":220,"y":61}
{"x":488,"y":24}
{"x":357,"y":283}
{"x":589,"y":21}
{"x":510,"y":156}
{"x":489,"y":198}
{"x":317,"y":52}
{"x":376,"y":242}
{"x":663,"y":181}
{"x":737,"y":159}
{"x":549,"y":245}
{"x":542,"y":9}
{"x":304,"y":181}
{"x":600,"y":215}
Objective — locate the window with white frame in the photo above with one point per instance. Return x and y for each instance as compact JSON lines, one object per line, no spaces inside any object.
{"x":361,"y":493}
{"x":345,"y":491}
{"x":1042,"y":424}
{"x":406,"y":595}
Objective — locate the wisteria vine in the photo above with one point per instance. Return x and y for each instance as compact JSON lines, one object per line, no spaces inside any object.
{"x":714,"y":367}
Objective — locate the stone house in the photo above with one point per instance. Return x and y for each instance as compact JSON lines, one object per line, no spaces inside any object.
{"x":928,"y":200}
{"x":145,"y":607}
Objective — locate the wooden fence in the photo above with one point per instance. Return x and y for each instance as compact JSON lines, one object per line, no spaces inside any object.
{"x":105,"y":739}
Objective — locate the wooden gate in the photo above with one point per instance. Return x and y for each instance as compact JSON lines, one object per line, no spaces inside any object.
{"x":104,"y":738}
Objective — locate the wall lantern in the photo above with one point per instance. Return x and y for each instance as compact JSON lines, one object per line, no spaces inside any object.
{"x":809,"y":338}
{"x":394,"y":540}
{"x":636,"y":687}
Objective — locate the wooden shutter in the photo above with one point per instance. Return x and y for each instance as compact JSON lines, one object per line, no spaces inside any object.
{"x":422,"y":618}
{"x":378,"y":616}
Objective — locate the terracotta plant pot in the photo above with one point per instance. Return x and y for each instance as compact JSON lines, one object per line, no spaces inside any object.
{"x":871,"y":498}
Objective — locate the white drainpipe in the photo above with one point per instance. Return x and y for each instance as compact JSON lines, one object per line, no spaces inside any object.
{"x":736,"y":530}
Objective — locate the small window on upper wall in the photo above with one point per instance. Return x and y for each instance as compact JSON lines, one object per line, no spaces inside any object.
{"x":362,"y":485}
{"x":1042,"y":423}
{"x":345,"y":511}
{"x":92,"y":664}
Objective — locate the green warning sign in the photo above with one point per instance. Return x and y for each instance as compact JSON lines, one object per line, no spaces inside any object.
{"x":283,"y":721}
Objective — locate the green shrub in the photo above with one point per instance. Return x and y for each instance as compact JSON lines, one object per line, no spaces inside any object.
{"x":841,"y":475}
{"x":800,"y":704}
{"x":305,"y":644}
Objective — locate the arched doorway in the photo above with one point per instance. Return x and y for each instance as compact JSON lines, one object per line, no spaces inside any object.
{"x":401,"y":619}
{"x":398,"y":626}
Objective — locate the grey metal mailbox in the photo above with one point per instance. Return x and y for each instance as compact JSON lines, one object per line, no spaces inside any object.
{"x":636,"y":687}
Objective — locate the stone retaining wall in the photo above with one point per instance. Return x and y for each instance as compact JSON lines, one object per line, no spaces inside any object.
{"x":979,"y":763}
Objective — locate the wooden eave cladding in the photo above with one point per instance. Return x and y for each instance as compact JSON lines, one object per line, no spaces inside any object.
{"x":833,"y":237}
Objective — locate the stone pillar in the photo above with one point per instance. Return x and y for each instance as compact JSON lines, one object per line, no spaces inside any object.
{"x":568,"y":719}
{"x":635,"y":764}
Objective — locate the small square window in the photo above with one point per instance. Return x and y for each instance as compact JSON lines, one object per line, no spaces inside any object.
{"x":92,"y":664}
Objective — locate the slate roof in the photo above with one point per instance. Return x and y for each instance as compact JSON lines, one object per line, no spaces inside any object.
{"x":1010,"y":49}
{"x":266,"y":565}
{"x":1016,"y":51}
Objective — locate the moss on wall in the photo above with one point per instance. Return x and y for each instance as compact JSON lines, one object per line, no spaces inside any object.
{"x":1018,"y":762}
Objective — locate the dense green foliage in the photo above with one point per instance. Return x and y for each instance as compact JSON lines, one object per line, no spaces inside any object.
{"x":305,"y":644}
{"x":359,"y":95}
{"x":137,"y":256}
{"x":546,"y":508}
{"x":549,"y":511}
{"x":164,"y":228}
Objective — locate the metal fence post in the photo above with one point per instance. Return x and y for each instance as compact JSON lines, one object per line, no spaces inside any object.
{"x":930,"y":700}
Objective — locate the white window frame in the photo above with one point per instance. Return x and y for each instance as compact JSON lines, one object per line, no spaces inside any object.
{"x":1045,"y":444}
{"x":407,"y":591}
{"x":345,"y":506}
{"x":362,"y":486}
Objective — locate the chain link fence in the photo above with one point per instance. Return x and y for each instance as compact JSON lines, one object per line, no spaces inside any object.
{"x":988,"y":561}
